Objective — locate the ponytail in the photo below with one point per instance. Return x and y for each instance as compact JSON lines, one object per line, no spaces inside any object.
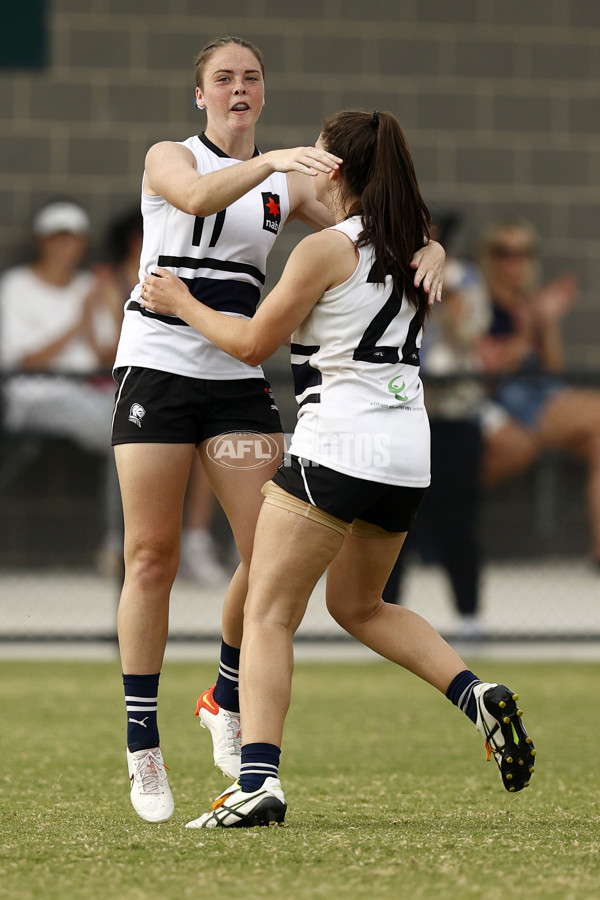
{"x":379,"y":169}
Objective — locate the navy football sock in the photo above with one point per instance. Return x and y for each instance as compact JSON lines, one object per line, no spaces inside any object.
{"x":226,"y":689}
{"x":259,"y":761}
{"x":141,"y":702}
{"x":460,"y":692}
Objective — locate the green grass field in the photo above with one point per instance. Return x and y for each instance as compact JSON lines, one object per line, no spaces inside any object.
{"x":388,"y":791}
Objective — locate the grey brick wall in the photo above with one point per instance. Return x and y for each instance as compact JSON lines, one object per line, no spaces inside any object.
{"x":500,"y":100}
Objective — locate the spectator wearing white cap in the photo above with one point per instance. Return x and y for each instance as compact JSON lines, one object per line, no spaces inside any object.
{"x":61,"y":217}
{"x":54,"y":322}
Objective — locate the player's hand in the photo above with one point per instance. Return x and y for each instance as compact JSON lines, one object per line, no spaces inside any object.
{"x":165,"y":293}
{"x":306,"y":160}
{"x":429,"y":263}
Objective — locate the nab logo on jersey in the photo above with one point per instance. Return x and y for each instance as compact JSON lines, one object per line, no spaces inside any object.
{"x":272,"y":213}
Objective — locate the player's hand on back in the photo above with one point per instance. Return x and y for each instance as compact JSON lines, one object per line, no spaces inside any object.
{"x":429,"y":263}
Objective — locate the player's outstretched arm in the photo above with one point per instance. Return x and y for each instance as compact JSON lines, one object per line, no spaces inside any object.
{"x":171,"y":172}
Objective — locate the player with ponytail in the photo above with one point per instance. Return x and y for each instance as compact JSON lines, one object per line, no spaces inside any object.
{"x":396,"y":220}
{"x":358,"y":463}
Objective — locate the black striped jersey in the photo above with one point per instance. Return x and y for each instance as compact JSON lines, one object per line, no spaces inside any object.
{"x":355,"y":361}
{"x":222,"y":259}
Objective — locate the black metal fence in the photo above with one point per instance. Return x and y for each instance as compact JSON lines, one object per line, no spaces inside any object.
{"x":537,"y":580}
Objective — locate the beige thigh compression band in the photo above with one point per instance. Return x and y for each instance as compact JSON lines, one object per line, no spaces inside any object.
{"x":276,"y":496}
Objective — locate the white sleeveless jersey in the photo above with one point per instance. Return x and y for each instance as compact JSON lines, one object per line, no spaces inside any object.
{"x":355,"y":361}
{"x":222,"y":258}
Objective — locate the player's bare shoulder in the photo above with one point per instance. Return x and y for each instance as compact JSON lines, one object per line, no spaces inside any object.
{"x":164,"y":158}
{"x":331,"y":252}
{"x":329,"y":242}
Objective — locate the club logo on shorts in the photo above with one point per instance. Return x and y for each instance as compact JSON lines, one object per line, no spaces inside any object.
{"x":271,"y":397}
{"x":272,"y":212}
{"x":243,"y":450}
{"x":136,"y":414}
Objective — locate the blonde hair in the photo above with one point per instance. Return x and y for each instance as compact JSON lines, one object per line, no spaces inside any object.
{"x":492,"y":236}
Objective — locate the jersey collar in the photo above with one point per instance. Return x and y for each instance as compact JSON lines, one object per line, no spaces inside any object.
{"x":217,"y":150}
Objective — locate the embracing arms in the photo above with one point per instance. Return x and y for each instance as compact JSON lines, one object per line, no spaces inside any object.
{"x":171,"y":172}
{"x":316,"y":264}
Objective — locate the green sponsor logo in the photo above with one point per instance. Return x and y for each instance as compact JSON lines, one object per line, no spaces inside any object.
{"x":396,"y":390}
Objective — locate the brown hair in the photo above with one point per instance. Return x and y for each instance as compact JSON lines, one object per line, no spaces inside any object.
{"x":210,"y":48}
{"x":377,"y":166}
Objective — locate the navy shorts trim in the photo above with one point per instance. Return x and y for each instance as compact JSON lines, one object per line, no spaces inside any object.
{"x":391,"y":507}
{"x":160,"y":407}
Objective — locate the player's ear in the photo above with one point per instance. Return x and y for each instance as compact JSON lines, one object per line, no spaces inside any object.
{"x":199,"y":100}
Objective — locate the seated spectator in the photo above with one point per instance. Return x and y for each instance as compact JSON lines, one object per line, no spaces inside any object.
{"x":535,"y":409}
{"x":54,"y":325}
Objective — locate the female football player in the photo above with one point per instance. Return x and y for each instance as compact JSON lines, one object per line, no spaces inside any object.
{"x":212,"y":208}
{"x":358,"y":463}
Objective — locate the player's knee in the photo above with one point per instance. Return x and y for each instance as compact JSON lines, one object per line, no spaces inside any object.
{"x":271,"y":609}
{"x":351,"y":614}
{"x":151,"y":564}
{"x":276,"y":619}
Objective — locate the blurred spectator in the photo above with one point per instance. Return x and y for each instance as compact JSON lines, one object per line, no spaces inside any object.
{"x":118,"y":273}
{"x":117,"y":277}
{"x":537,"y":410}
{"x":53,"y":321}
{"x":446,"y":528}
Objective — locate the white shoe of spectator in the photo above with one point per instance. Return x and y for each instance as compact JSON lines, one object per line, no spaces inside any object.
{"x":469,"y":628}
{"x":109,"y":558}
{"x":199,"y":561}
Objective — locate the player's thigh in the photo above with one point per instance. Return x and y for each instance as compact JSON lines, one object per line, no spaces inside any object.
{"x":358,"y":574}
{"x":290,"y":554}
{"x":238,"y":484}
{"x":153,"y":479}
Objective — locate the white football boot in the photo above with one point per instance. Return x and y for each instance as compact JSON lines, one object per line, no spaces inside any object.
{"x":235,"y":809}
{"x":151,"y":795}
{"x":225,"y":730}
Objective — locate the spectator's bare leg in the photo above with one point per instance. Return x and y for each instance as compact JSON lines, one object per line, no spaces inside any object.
{"x":508,"y":452}
{"x":571,"y":422}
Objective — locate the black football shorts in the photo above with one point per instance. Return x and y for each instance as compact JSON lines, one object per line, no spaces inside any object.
{"x":159,"y":407}
{"x":391,"y":507}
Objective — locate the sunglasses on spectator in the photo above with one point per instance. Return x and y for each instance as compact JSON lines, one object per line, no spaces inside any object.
{"x":501,"y":251}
